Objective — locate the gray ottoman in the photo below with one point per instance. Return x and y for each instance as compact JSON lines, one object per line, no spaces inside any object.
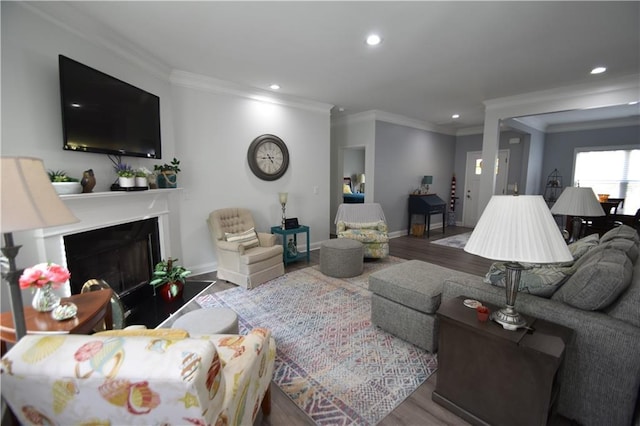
{"x":208,"y":321}
{"x":405,"y":299}
{"x":341,"y":258}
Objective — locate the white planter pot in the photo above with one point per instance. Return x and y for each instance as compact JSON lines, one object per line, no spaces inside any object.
{"x":126,"y":182}
{"x":141,"y":182}
{"x":64,"y":188}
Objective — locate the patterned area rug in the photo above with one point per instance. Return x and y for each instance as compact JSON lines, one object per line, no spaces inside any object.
{"x":457,"y":241}
{"x":331,"y":361}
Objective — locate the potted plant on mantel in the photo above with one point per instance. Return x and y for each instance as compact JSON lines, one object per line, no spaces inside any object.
{"x":64,"y":184}
{"x":126,"y":175}
{"x":169,"y":279}
{"x":167,"y":176}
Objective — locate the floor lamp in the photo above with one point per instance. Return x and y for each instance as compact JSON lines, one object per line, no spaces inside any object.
{"x":28,"y":201}
{"x":514,"y":229}
{"x":578,"y":202}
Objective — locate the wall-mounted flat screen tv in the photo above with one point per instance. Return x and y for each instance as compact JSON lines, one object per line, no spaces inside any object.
{"x":105,"y":115}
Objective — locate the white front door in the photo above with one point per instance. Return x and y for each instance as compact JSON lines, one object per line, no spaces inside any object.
{"x":472,"y":183}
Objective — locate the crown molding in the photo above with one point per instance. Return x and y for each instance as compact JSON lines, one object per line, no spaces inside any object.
{"x":387,"y":117}
{"x":201,"y":82}
{"x":359,"y":117}
{"x":593,"y":125}
{"x":467,"y":131}
{"x":620,"y":85}
{"x":411,"y":122}
{"x":67,"y":17}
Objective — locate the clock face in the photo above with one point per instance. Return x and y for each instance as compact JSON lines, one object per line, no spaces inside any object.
{"x":268,"y":157}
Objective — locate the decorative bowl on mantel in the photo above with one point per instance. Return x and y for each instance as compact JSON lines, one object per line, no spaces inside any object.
{"x":65,"y":188}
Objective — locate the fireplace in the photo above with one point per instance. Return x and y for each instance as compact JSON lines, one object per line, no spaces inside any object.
{"x":122,"y":255}
{"x":146,"y":219}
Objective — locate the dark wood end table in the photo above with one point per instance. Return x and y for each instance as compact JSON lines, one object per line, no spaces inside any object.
{"x":93,"y":307}
{"x":489,"y":375}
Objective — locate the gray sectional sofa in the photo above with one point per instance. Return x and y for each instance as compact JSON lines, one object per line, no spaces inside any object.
{"x":600,"y":301}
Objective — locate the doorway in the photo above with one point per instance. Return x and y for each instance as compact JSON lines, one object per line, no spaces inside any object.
{"x":473,"y":172}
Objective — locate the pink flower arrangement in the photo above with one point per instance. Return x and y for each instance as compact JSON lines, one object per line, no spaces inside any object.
{"x":44,"y":274}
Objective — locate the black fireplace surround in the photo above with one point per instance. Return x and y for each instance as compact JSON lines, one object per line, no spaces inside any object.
{"x":122,"y":255}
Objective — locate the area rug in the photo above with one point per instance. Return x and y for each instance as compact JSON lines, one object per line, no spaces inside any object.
{"x":457,"y":241}
{"x":331,"y":361}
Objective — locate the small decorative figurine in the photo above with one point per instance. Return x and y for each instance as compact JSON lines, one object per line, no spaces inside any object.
{"x":88,"y":181}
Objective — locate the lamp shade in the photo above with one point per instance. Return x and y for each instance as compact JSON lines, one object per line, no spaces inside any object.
{"x":427,"y":180}
{"x":283,"y":197}
{"x":361,"y":178}
{"x":518,"y":228}
{"x":29,"y":201}
{"x":578,"y":201}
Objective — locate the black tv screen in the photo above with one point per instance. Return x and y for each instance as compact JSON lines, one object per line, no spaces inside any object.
{"x":105,"y":115}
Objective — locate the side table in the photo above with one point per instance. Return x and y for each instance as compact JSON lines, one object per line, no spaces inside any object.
{"x":488,"y":375}
{"x":288,"y":257}
{"x":93,"y":307}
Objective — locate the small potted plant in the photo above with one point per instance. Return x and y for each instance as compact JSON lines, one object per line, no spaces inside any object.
{"x":167,"y":176}
{"x":64,"y":184}
{"x":141,"y":177}
{"x":126,"y":175}
{"x":169,"y":279}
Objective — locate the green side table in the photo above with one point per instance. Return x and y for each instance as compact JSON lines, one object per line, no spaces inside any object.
{"x":290,"y":253}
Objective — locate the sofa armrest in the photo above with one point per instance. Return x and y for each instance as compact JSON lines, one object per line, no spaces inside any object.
{"x":112,"y":379}
{"x":600,"y":377}
{"x":248,"y":369}
{"x":267,"y":240}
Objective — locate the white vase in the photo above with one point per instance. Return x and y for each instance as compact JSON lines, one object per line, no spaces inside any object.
{"x":126,"y":182}
{"x":141,"y":182}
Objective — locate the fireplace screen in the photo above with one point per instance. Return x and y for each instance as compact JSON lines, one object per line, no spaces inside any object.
{"x":122,"y":255}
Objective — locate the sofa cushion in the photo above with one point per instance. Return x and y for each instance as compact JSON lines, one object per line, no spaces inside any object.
{"x":625,"y":308}
{"x":601,"y":276}
{"x":541,"y":280}
{"x":583,"y":245}
{"x":622,"y":231}
{"x":629,"y":247}
{"x":415,"y":284}
{"x":365,"y":235}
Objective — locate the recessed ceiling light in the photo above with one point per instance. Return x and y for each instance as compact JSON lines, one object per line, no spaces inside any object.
{"x":374,"y":40}
{"x":75,"y":105}
{"x":598,"y":70}
{"x":274,"y":86}
{"x":455,"y":116}
{"x":633,"y":103}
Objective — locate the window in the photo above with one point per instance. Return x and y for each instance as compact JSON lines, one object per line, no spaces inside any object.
{"x":614,"y":172}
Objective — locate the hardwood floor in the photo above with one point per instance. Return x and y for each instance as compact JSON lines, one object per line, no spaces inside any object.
{"x":418,"y":409}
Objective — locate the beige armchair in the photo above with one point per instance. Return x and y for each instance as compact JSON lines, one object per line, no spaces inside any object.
{"x":245,"y":257}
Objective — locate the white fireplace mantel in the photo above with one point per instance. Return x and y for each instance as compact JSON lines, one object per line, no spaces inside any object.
{"x":104,"y":209}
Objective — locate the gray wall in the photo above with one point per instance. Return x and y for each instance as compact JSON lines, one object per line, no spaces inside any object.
{"x":559,"y":147}
{"x":403,"y":156}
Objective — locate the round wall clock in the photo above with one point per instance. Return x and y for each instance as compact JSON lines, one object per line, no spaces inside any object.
{"x":268,"y":157}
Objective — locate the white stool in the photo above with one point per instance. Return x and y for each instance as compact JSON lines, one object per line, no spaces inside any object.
{"x":208,"y":321}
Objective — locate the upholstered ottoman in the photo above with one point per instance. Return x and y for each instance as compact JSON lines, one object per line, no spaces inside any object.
{"x":405,"y":299}
{"x":208,"y":321}
{"x":341,"y":258}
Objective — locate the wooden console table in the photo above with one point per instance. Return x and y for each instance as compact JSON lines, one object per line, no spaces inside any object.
{"x":93,"y":307}
{"x":488,"y":375}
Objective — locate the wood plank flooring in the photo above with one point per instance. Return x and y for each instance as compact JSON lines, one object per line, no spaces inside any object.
{"x":418,"y":409}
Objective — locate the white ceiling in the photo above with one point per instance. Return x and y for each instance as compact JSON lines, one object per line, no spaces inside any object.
{"x":436,"y":59}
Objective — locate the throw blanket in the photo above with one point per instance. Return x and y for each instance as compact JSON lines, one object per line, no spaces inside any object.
{"x":358,"y":213}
